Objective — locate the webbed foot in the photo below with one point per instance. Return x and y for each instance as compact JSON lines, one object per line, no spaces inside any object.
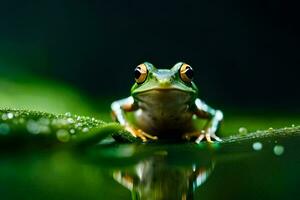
{"x":140,"y":133}
{"x":200,"y":135}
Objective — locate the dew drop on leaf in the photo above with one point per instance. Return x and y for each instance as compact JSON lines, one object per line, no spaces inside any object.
{"x":257,"y":146}
{"x":243,"y":130}
{"x":10,"y":115}
{"x":85,"y":129}
{"x":278,"y":150}
{"x":63,"y":135}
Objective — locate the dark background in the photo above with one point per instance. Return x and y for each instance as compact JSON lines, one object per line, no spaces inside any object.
{"x":245,"y":53}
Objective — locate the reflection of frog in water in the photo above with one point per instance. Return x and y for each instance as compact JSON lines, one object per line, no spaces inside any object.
{"x":154,"y":178}
{"x":164,"y":102}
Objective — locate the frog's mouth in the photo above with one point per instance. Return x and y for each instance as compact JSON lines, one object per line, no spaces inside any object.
{"x":186,"y":90}
{"x":164,"y":95}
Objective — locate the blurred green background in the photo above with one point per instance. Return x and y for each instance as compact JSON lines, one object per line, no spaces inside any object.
{"x":243,"y":52}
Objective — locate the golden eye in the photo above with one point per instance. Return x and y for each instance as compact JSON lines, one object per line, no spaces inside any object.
{"x":186,"y":73}
{"x":140,"y":73}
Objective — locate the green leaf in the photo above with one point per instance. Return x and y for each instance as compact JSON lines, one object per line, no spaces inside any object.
{"x":263,"y":134}
{"x":19,"y":128}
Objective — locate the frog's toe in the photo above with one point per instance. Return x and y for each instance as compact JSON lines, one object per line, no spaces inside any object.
{"x":142,"y":137}
{"x":200,"y":137}
{"x":216,"y":138}
{"x":146,"y":135}
{"x":140,"y":134}
{"x":135,"y":133}
{"x":208,"y":136}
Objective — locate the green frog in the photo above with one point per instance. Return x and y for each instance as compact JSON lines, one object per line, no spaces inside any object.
{"x":164,"y":104}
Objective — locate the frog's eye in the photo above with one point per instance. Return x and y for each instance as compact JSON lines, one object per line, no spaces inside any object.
{"x":140,"y":73}
{"x":186,"y":73}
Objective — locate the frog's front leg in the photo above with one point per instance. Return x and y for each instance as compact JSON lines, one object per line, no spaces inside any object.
{"x":202,"y":110}
{"x":118,"y":111}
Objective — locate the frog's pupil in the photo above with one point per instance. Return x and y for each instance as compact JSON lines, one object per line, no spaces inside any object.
{"x":189,"y":73}
{"x":137,"y":74}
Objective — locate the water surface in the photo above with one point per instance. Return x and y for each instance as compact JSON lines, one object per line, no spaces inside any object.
{"x":254,"y":169}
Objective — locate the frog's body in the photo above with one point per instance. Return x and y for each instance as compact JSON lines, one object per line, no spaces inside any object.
{"x":164,"y":102}
{"x":156,"y":114}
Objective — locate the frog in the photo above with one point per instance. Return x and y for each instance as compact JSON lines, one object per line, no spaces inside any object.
{"x":164,"y":104}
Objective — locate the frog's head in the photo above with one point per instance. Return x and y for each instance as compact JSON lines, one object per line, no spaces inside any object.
{"x":179,"y":77}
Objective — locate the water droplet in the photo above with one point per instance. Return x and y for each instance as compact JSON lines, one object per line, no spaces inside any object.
{"x":70,"y":120}
{"x":10,"y":115}
{"x":243,"y":130}
{"x":44,"y":121}
{"x":278,"y":150}
{"x":68,"y":114}
{"x":85,"y":129}
{"x":63,"y":135}
{"x":4,"y":129}
{"x":4,"y":116}
{"x":33,"y":127}
{"x":293,"y":125}
{"x":271,"y":129}
{"x":78,"y":125}
{"x":72,"y":131}
{"x":257,"y":146}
